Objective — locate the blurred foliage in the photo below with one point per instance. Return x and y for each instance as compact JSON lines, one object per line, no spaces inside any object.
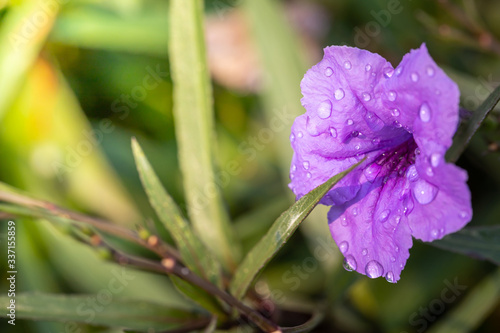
{"x":82,"y":77}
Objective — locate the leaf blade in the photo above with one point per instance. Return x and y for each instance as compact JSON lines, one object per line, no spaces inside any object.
{"x":281,"y":230}
{"x":461,"y":141}
{"x":193,"y":116}
{"x":132,"y":314}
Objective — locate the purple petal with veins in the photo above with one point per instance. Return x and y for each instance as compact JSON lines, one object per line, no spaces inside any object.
{"x":402,"y":120}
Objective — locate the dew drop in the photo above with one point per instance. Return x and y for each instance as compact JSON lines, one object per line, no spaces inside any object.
{"x":395,"y":112}
{"x":396,"y":249}
{"x":397,"y":124}
{"x":339,"y":94}
{"x":388,"y":72}
{"x":347,"y":65}
{"x":299,"y":135}
{"x":429,"y":172}
{"x":325,"y":109}
{"x":373,"y":74}
{"x":417,"y":151}
{"x":294,"y":168}
{"x":292,"y":176}
{"x":366,"y":97}
{"x":424,"y":192}
{"x":350,"y":263}
{"x":398,"y":71}
{"x":414,"y":77}
{"x":312,"y":127}
{"x":364,"y":252}
{"x":390,"y":277}
{"x":397,"y":219}
{"x":430,"y":71}
{"x":435,"y":159}
{"x":355,"y":211}
{"x":392,"y":96}
{"x":463,"y":214}
{"x":357,"y":147}
{"x":306,"y":165}
{"x":376,"y":141}
{"x":328,"y":71}
{"x":384,"y":215}
{"x":374,"y":122}
{"x":344,"y":221}
{"x":425,"y":112}
{"x":374,"y":269}
{"x":349,"y":122}
{"x":333,"y":132}
{"x":308,"y":175}
{"x":434,"y":233}
{"x":368,"y":67}
{"x":292,"y":137}
{"x":408,"y":205}
{"x":343,"y":247}
{"x":355,"y":134}
{"x":393,"y":258}
{"x":371,"y":172}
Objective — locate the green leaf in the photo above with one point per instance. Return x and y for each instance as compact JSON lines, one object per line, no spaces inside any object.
{"x":479,"y":242}
{"x":463,"y":138}
{"x":473,"y":310}
{"x":282,"y":229}
{"x":107,"y":310}
{"x":20,"y":44}
{"x":192,"y":250}
{"x":194,"y":123}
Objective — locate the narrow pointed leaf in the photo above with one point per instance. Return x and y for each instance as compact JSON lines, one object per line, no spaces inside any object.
{"x":279,"y":233}
{"x":479,"y":242}
{"x":132,"y":314}
{"x":194,"y":124}
{"x":193,"y":252}
{"x":461,"y":141}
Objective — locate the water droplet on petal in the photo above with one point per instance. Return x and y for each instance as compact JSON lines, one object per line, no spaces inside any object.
{"x":463,"y":214}
{"x":350,"y":263}
{"x":368,"y":67}
{"x":355,"y":134}
{"x":371,"y":172}
{"x":374,"y":122}
{"x":343,"y":221}
{"x":333,"y":132}
{"x":429,"y":172}
{"x":366,"y":97}
{"x":306,"y":165}
{"x":357,"y":147}
{"x":347,"y":65}
{"x":384,"y":215}
{"x":292,"y":137}
{"x":294,"y":168}
{"x":390,"y":277}
{"x":325,"y":109}
{"x":425,"y":112}
{"x":312,"y":127}
{"x":398,"y":71}
{"x":349,"y":122}
{"x":308,"y":175}
{"x":397,"y":124}
{"x":397,"y":219}
{"x":414,"y":77}
{"x":339,"y":94}
{"x":392,"y":96}
{"x":355,"y":211}
{"x":374,"y":269}
{"x":435,"y":159}
{"x":434,"y":233}
{"x":328,"y":71}
{"x":376,"y":141}
{"x":430,"y":71}
{"x":395,"y":112}
{"x":393,"y":258}
{"x":396,"y":249}
{"x":343,"y":247}
{"x":364,"y":252}
{"x":300,"y":134}
{"x":388,"y":72}
{"x":292,"y":176}
{"x":424,"y":192}
{"x":417,"y":151}
{"x":408,"y":205}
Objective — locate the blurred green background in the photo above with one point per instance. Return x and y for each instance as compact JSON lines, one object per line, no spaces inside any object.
{"x":79,"y":78}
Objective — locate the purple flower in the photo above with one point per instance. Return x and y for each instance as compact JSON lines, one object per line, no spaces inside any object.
{"x":403,"y":120}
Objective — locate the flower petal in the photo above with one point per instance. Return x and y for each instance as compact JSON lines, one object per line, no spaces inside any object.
{"x":423,"y":99}
{"x":372,"y":230}
{"x":442,"y":200}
